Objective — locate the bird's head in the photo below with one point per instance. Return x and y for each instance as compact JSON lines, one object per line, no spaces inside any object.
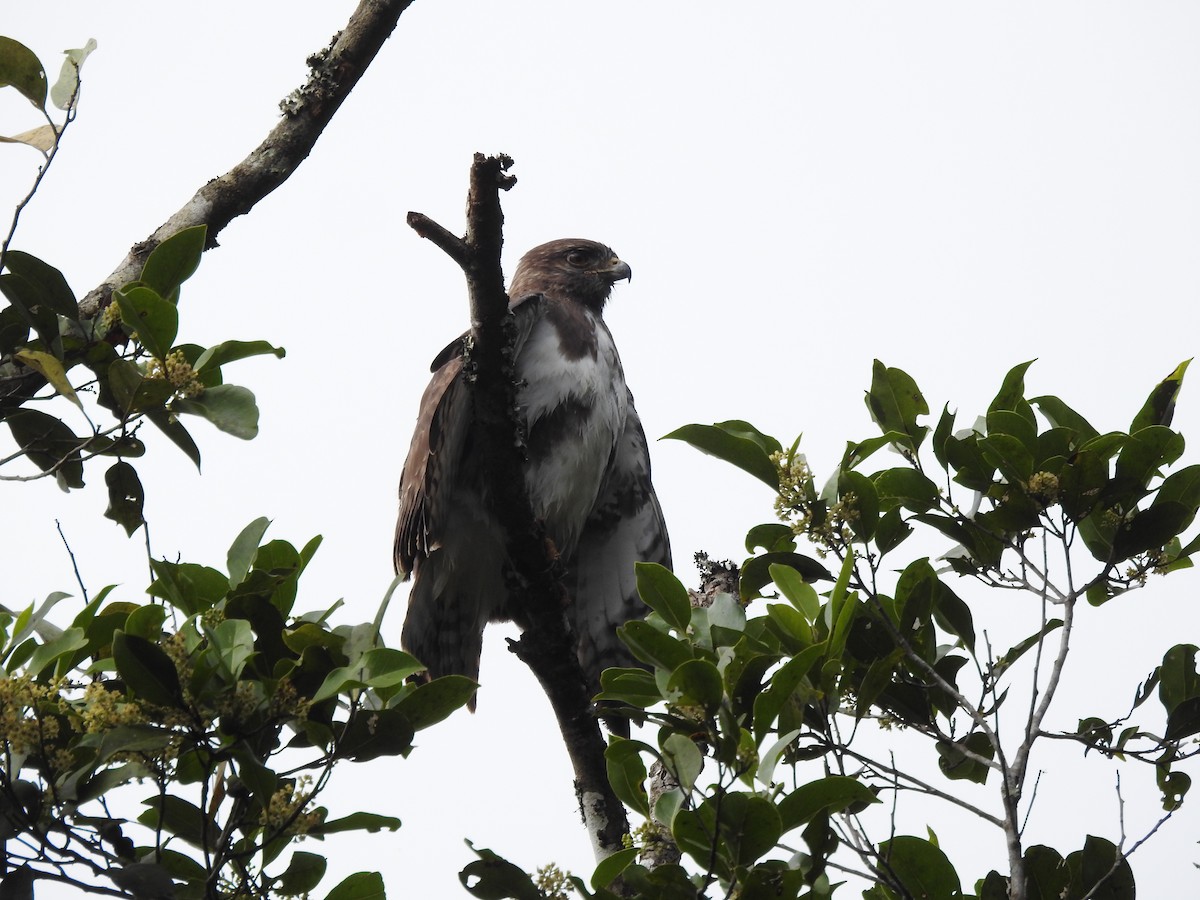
{"x":571,"y":269}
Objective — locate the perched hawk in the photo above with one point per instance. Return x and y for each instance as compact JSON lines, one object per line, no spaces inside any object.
{"x":587,"y":472}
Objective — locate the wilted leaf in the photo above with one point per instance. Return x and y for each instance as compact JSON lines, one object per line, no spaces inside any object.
{"x":51,"y":369}
{"x":42,"y":138}
{"x":64,"y":89}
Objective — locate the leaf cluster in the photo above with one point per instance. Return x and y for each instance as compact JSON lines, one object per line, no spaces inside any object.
{"x":225,"y":703}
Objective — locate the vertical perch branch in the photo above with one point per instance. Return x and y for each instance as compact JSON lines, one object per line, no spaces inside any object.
{"x":547,"y":645}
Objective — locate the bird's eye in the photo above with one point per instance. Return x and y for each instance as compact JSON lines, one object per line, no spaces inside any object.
{"x":578,"y":257}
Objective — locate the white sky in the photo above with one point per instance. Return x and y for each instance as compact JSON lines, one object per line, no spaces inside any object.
{"x":799,"y":188}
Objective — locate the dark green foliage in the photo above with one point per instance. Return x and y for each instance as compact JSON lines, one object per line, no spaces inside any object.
{"x":214,"y":684}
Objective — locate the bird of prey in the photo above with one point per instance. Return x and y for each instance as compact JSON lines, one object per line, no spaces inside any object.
{"x":587,"y":474}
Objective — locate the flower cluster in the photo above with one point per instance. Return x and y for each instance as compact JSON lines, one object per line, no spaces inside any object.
{"x":553,"y":882}
{"x":285,"y":813}
{"x":179,"y":372}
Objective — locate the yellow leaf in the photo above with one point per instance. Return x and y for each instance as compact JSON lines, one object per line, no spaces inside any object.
{"x":42,"y":137}
{"x":51,"y":369}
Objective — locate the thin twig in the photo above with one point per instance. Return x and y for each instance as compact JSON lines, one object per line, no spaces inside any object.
{"x":74,"y":564}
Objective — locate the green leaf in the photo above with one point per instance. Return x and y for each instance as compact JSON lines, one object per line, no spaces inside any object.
{"x":127,"y":739}
{"x":747,"y":827}
{"x":942,"y":434}
{"x":233,"y":643}
{"x":304,"y":872}
{"x":684,"y":759}
{"x":229,"y":407}
{"x":49,"y":444}
{"x":169,"y":425}
{"x":1019,"y":649}
{"x":1009,"y":455}
{"x":1159,"y":407}
{"x":14,"y":329}
{"x":125,"y":497}
{"x":1062,"y":416}
{"x":1178,"y":679}
{"x":756,"y":571}
{"x":359,"y":821}
{"x":146,"y":669}
{"x":68,"y":642}
{"x":612,"y":866}
{"x":181,"y":818}
{"x":784,"y":684}
{"x":831,"y":794}
{"x":802,"y":595}
{"x":371,"y":734}
{"x":921,"y":867}
{"x":21,"y":69}
{"x":627,"y":773}
{"x":51,"y":288}
{"x":653,"y":646}
{"x":28,"y":302}
{"x":770,"y":536}
{"x":189,"y":587}
{"x":155,"y":320}
{"x":857,"y":492}
{"x":133,"y":392}
{"x":1101,"y":869}
{"x":359,"y":886}
{"x":491,"y":877}
{"x":1143,"y":454}
{"x":736,"y":442}
{"x":64,"y":90}
{"x":433,"y":701}
{"x":892,"y":531}
{"x":230,"y":351}
{"x":1015,"y":425}
{"x":665,"y":594}
{"x":1150,"y":529}
{"x":697,"y":682}
{"x":173,"y":261}
{"x":635,"y":687}
{"x":244,"y":548}
{"x":957,"y":765}
{"x":1046,"y":873}
{"x":905,"y":487}
{"x":1012,"y":391}
{"x":895,"y":402}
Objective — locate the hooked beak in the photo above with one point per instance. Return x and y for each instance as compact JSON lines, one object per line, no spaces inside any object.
{"x":618,"y":269}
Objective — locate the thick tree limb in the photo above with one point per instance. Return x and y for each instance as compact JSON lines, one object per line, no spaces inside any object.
{"x":306,"y":112}
{"x":547,"y":645}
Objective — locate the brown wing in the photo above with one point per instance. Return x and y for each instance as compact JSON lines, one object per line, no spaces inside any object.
{"x":433,"y":460}
{"x":437,"y":448}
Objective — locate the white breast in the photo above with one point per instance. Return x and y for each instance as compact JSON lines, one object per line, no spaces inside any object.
{"x":587,"y":401}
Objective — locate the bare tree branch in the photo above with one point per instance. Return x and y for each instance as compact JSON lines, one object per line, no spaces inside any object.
{"x":547,"y":645}
{"x":335,"y":71}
